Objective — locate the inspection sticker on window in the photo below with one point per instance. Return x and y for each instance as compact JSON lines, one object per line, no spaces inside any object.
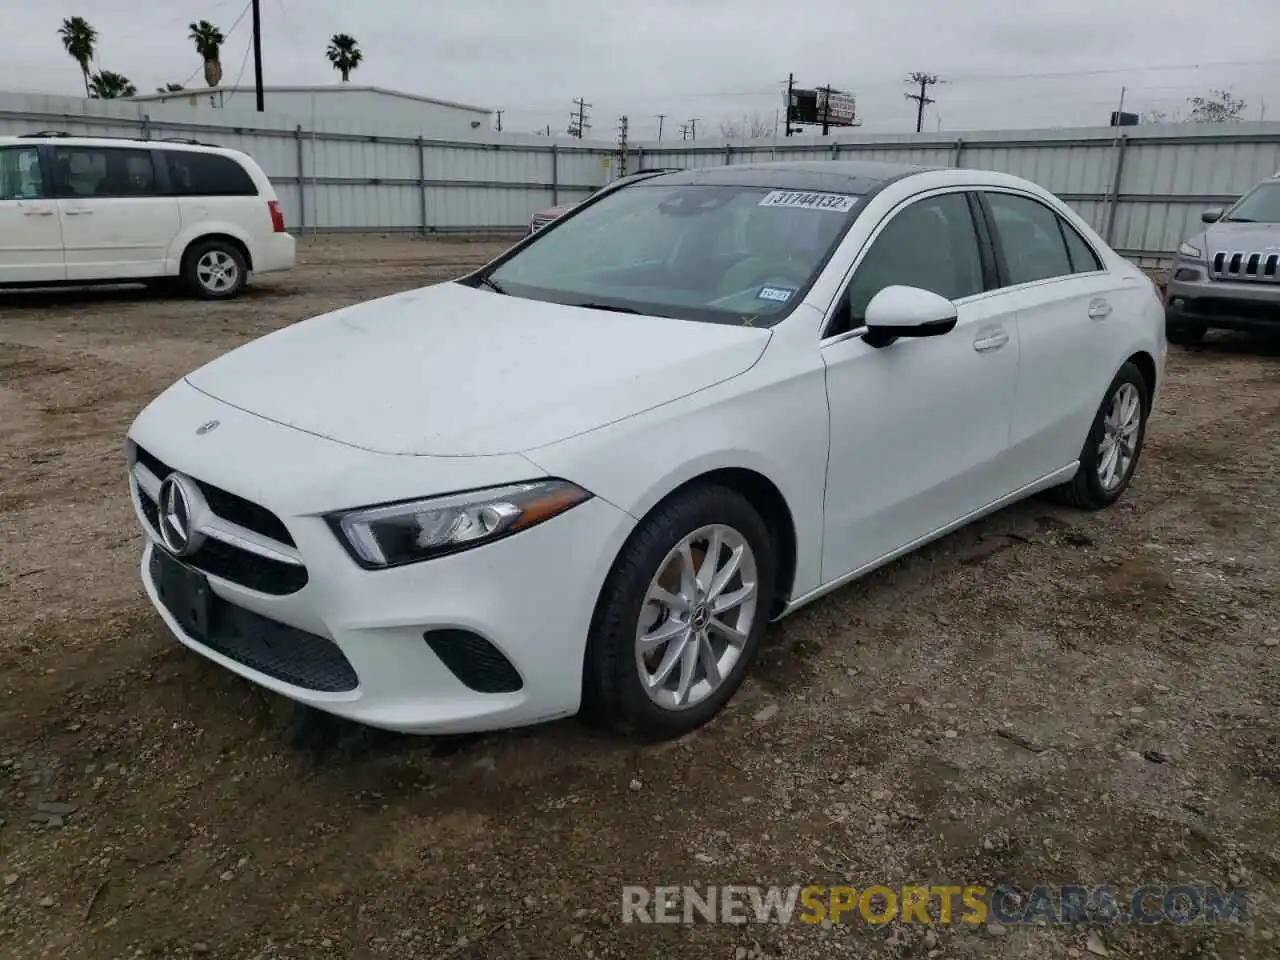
{"x":807,"y":200}
{"x":776,"y":294}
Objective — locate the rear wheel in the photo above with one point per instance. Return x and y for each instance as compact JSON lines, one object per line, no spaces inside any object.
{"x":1114,"y":444}
{"x":214,"y":270}
{"x":681,"y":616}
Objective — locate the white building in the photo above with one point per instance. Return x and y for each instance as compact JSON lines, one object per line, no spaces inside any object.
{"x":341,"y":102}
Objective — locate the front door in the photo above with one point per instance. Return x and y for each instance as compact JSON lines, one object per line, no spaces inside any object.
{"x":920,"y":428}
{"x":30,"y":232}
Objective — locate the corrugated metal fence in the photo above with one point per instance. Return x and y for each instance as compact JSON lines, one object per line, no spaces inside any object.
{"x":1141,"y":187}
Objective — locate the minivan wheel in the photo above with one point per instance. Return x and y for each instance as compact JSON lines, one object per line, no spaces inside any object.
{"x":1111,"y":451}
{"x":214,"y":270}
{"x":681,"y":616}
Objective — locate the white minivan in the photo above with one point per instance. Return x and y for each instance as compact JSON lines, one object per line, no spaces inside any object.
{"x":88,"y":210}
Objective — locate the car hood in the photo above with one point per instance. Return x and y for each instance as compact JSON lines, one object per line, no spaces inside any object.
{"x":1244,"y":237}
{"x":451,"y":370}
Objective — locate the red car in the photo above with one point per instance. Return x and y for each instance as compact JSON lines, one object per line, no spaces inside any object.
{"x":543,"y":217}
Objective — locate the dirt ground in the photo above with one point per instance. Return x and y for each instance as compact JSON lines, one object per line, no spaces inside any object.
{"x":1047,"y":697}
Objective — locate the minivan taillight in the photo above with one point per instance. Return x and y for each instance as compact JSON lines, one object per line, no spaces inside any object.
{"x":277,"y":216}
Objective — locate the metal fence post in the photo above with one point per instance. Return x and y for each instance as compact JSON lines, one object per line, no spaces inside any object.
{"x":956,"y":151}
{"x":146,"y":126}
{"x":728,"y":154}
{"x":835,"y":150}
{"x":302,"y":179}
{"x":1113,"y":200}
{"x":422,"y":185}
{"x":555,"y":174}
{"x":639,"y":158}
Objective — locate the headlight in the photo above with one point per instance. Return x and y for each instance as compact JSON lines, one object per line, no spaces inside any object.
{"x":406,"y":532}
{"x":1190,"y":250}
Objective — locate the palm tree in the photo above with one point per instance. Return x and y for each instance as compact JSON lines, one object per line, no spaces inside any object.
{"x":108,"y":85}
{"x":208,"y":40}
{"x":79,"y":38}
{"x":344,"y":54}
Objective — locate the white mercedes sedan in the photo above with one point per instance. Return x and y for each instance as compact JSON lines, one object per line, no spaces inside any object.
{"x":586,"y":476}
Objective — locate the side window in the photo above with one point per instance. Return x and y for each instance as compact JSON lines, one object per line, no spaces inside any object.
{"x":208,"y":175}
{"x":20,"y":176}
{"x":1028,"y":235}
{"x":103,"y":172}
{"x":931,"y":244}
{"x":1083,"y":259}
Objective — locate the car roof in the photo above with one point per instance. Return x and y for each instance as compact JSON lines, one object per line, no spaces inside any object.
{"x":52,"y":136}
{"x":840,"y":176}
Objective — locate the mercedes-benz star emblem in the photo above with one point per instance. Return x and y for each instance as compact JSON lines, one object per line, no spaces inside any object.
{"x":207,"y":427}
{"x":180,"y":503}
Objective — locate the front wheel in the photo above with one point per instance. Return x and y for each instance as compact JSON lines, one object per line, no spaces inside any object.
{"x":1114,"y":444}
{"x":681,"y":616}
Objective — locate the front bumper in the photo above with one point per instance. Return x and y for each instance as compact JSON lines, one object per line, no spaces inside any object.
{"x":1193,"y":300}
{"x":530,"y":596}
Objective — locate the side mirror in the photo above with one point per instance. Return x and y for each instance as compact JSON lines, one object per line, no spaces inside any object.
{"x":899,"y":311}
{"x":1212,"y":215}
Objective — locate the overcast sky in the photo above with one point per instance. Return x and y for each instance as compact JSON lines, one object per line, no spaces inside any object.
{"x":1007,"y":64}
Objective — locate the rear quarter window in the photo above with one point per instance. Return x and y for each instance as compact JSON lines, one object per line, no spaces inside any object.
{"x":207,"y":175}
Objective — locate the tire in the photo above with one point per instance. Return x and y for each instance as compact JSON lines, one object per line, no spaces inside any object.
{"x":214,"y":270}
{"x":613,"y":691}
{"x":1185,"y":335}
{"x":1086,"y":489}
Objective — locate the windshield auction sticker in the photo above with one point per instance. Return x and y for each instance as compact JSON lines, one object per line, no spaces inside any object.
{"x":805,"y":200}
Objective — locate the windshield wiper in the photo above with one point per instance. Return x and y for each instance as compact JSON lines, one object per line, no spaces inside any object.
{"x":606,"y":306}
{"x":492,"y":284}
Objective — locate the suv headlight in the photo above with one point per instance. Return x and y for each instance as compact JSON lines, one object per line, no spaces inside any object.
{"x":1190,"y":250}
{"x":414,"y":530}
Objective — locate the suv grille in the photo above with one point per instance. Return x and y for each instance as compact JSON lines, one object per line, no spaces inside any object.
{"x":271,"y":567}
{"x":1263,"y":267}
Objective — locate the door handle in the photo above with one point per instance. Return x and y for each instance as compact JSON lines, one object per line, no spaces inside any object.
{"x":78,"y":213}
{"x":37,"y":213}
{"x":992,"y":339}
{"x":1099,"y":309}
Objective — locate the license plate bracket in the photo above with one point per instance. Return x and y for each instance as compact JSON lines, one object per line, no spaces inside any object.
{"x":185,"y":594}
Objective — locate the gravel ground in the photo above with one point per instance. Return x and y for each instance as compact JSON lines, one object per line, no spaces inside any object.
{"x":1046,"y":697}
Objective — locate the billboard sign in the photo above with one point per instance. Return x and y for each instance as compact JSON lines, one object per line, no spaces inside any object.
{"x":834,"y":107}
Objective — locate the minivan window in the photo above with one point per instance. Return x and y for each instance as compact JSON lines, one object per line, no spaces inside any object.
{"x":207,"y":175}
{"x":724,"y":254}
{"x":20,"y":177}
{"x":103,"y":172}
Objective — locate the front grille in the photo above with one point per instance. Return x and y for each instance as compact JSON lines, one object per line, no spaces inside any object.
{"x":282,"y":652}
{"x":224,"y":560}
{"x":474,"y":660}
{"x":1245,"y":266}
{"x":1211,"y":307}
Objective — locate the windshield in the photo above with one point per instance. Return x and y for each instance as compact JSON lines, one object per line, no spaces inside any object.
{"x":1259,"y":205}
{"x":716,"y":253}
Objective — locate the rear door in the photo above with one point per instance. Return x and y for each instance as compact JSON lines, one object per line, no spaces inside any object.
{"x":1065,"y":302}
{"x":30,"y":232}
{"x":116,"y":221}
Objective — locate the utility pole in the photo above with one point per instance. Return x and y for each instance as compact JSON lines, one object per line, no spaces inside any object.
{"x":684,"y":131}
{"x":578,"y":121}
{"x":257,"y":53}
{"x":661,"y":117}
{"x":622,"y":145}
{"x":791,"y":84}
{"x":499,"y":113}
{"x":693,"y":129}
{"x":922,"y":99}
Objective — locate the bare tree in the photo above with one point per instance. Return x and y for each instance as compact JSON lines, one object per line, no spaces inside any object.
{"x":1218,"y":107}
{"x":753,"y":127}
